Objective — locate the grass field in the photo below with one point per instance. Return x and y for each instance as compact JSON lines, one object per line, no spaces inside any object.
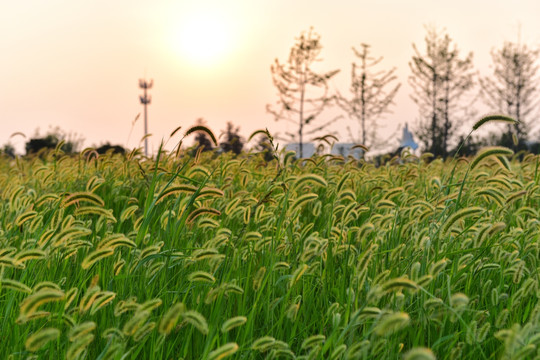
{"x":218,"y":257}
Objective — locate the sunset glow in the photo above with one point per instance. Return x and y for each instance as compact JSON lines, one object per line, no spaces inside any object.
{"x":76,"y":64}
{"x":204,"y":38}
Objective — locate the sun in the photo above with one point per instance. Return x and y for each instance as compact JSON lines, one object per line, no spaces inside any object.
{"x":204,"y":38}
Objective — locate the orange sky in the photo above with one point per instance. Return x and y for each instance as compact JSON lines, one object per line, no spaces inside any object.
{"x":76,"y":64}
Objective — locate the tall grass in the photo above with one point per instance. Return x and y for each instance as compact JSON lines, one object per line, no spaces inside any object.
{"x":105,"y":257}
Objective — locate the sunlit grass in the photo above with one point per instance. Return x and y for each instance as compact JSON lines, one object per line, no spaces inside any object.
{"x":219,"y":257}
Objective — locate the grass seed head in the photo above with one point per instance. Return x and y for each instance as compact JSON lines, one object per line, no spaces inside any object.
{"x":23,"y":319}
{"x":15,"y":285}
{"x":232,"y":323}
{"x":311,"y":179}
{"x":136,"y":321}
{"x":258,"y":278}
{"x":392,"y":323}
{"x":223,"y":351}
{"x":83,"y":197}
{"x":459,"y":300}
{"x":103,"y":299}
{"x":197,"y":320}
{"x":89,"y":297}
{"x":263,"y":344}
{"x":460,"y":214}
{"x":150,"y":305}
{"x":81,"y":330}
{"x":302,"y":199}
{"x":112,"y":352}
{"x":491,"y":118}
{"x":358,"y":350}
{"x":38,"y":339}
{"x":32,"y":302}
{"x":419,"y":353}
{"x":144,"y":331}
{"x":170,"y":318}
{"x":439,"y":266}
{"x":398,"y":284}
{"x":80,"y":345}
{"x":71,"y":294}
{"x":338,"y":352}
{"x":490,"y":151}
{"x":96,"y":256}
{"x":313,"y":341}
{"x":298,"y":274}
{"x":201,"y":276}
{"x":112,"y":333}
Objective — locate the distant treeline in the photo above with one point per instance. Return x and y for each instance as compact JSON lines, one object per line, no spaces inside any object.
{"x":445,"y":87}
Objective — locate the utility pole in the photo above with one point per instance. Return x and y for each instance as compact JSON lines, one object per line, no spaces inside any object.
{"x":145,"y":100}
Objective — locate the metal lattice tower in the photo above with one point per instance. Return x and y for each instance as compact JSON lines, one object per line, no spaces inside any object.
{"x":145,"y":100}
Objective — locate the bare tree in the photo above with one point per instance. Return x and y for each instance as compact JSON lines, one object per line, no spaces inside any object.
{"x":371,"y":95}
{"x":440,"y":79}
{"x":303,"y":93}
{"x":514,"y":87}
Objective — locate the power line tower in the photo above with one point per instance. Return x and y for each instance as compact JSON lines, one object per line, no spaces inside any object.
{"x":145,"y":100}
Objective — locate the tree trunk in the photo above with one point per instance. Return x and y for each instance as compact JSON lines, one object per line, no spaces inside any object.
{"x":434,"y":114}
{"x":301,"y":115}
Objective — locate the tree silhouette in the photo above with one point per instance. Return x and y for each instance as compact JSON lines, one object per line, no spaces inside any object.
{"x":371,"y":97}
{"x":303,"y":93}
{"x":8,"y":150}
{"x":34,"y":145}
{"x":439,"y":80}
{"x":233,"y":141}
{"x":514,"y":87}
{"x":113,"y":149}
{"x":54,"y":136}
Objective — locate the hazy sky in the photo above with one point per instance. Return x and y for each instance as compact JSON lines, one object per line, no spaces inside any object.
{"x":76,"y":64}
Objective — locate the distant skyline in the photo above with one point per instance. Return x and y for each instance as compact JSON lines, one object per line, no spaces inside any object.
{"x":76,"y":64}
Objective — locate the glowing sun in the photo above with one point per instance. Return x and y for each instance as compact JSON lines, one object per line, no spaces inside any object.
{"x":204,"y":38}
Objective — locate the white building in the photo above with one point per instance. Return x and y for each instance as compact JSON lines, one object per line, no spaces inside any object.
{"x":308,"y":149}
{"x":407,"y":139}
{"x":346,"y":149}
